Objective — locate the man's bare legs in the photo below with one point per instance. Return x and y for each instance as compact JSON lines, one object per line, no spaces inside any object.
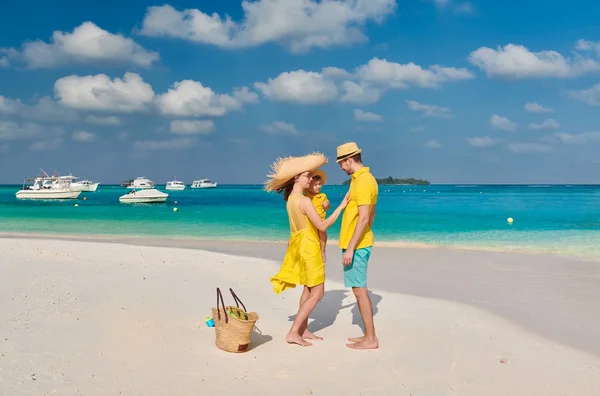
{"x":315,"y":294}
{"x":304,"y":328}
{"x":369,"y":340}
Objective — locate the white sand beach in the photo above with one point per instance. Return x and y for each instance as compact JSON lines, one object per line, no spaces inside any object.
{"x":105,"y":318}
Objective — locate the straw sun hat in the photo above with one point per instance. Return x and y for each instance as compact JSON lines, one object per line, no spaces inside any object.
{"x":284,"y":169}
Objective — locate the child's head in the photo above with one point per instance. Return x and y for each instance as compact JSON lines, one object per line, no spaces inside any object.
{"x":315,"y":185}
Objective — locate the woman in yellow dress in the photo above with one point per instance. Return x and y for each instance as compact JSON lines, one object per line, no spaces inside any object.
{"x":303,"y":262}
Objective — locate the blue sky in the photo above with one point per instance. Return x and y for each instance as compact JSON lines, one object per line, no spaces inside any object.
{"x":448,"y":90}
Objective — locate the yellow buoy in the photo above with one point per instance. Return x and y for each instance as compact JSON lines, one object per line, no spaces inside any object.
{"x":175,"y":209}
{"x":84,"y":198}
{"x":509,"y":220}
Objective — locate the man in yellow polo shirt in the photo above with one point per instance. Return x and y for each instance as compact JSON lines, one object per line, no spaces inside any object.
{"x":356,"y":237}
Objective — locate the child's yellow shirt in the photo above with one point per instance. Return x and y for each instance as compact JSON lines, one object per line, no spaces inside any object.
{"x":318,"y":201}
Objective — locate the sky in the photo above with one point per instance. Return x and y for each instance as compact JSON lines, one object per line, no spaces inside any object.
{"x":451,"y":91}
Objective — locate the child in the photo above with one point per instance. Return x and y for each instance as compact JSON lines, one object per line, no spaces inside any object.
{"x":320,"y":202}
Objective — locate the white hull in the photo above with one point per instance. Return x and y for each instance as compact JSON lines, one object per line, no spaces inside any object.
{"x":144,"y":196}
{"x":143,"y":199}
{"x":140,"y":187}
{"x":175,"y":188}
{"x":89,"y":188}
{"x":47,"y":194}
{"x":213,"y":185}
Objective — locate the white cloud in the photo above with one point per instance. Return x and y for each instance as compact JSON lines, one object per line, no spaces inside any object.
{"x":360,"y":93}
{"x":10,"y":130}
{"x":299,"y":86}
{"x":46,"y":145}
{"x":45,"y":109}
{"x":460,"y":8}
{"x":169,"y":144}
{"x":122,"y":135}
{"x":279,"y":128}
{"x":418,"y":128}
{"x":191,"y":98}
{"x":586,"y":45}
{"x":503,"y":123}
{"x":529,"y":148}
{"x":484,"y":141}
{"x":547,"y":124}
{"x":298,"y":24}
{"x":99,"y":92}
{"x":391,"y":75}
{"x":192,"y":127}
{"x":590,"y":96}
{"x":515,"y":62}
{"x":99,"y":120}
{"x":360,"y":115}
{"x":580,"y":138}
{"x":537,"y":108}
{"x":432,"y":143}
{"x":429,"y":110}
{"x":336,"y":73}
{"x":84,"y":136}
{"x":86,"y":44}
{"x":4,"y":62}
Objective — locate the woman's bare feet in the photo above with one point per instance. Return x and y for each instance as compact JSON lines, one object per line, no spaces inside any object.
{"x":364,"y":344}
{"x":296,"y":339}
{"x":356,"y":339}
{"x":310,"y":336}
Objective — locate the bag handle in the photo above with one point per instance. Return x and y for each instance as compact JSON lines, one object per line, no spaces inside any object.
{"x":237,"y":299}
{"x":220,"y":296}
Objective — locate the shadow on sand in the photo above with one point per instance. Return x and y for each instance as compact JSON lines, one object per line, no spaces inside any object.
{"x":326,"y":312}
{"x":258,"y":338}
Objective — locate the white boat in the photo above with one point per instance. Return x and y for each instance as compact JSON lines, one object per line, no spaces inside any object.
{"x":151,"y":195}
{"x":47,"y":187}
{"x":85,"y":185}
{"x":141,"y":183}
{"x":203,"y":183}
{"x":81,"y":185}
{"x":175,"y":185}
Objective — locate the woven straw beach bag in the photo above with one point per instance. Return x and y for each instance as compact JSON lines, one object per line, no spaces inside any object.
{"x":233,"y":325}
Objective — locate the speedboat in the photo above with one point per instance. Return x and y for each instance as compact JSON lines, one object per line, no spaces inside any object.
{"x":141,"y":182}
{"x":150,"y":195}
{"x":204,"y":183}
{"x":175,"y":185}
{"x":82,"y":185}
{"x":85,"y":185}
{"x":47,"y":187}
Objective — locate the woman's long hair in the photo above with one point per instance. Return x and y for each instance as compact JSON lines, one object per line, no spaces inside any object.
{"x":287,"y":188}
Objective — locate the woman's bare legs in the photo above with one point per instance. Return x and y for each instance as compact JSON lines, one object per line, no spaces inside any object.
{"x":315,"y":294}
{"x":306,"y":334}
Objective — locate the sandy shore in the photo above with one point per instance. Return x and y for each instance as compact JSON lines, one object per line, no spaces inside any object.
{"x":99,"y":318}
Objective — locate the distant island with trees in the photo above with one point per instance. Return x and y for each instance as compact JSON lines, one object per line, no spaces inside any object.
{"x":392,"y":180}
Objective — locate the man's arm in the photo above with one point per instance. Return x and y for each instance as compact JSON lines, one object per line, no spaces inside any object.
{"x":363,"y":221}
{"x":372,"y":218}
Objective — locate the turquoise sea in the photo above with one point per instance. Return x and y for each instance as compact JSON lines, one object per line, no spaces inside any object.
{"x":560,"y":219}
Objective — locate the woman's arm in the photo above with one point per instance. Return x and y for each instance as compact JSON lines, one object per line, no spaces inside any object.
{"x":308,"y":209}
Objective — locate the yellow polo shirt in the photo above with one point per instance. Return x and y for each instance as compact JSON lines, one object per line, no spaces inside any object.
{"x":318,"y":201}
{"x":363,"y":191}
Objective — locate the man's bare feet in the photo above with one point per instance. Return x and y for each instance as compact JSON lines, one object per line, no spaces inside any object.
{"x":310,"y":336}
{"x":296,"y":339}
{"x":356,"y":339}
{"x":364,"y":344}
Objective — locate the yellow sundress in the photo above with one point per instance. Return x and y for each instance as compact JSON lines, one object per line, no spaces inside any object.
{"x":302,"y":263}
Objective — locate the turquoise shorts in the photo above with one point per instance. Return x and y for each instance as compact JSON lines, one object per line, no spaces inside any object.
{"x":355,"y":274}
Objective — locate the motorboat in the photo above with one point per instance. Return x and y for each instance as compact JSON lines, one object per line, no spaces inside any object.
{"x":47,"y":187}
{"x":203,"y":183}
{"x":175,"y":185}
{"x":126,"y":183}
{"x":141,"y":183}
{"x":150,"y":195}
{"x":83,"y":185}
